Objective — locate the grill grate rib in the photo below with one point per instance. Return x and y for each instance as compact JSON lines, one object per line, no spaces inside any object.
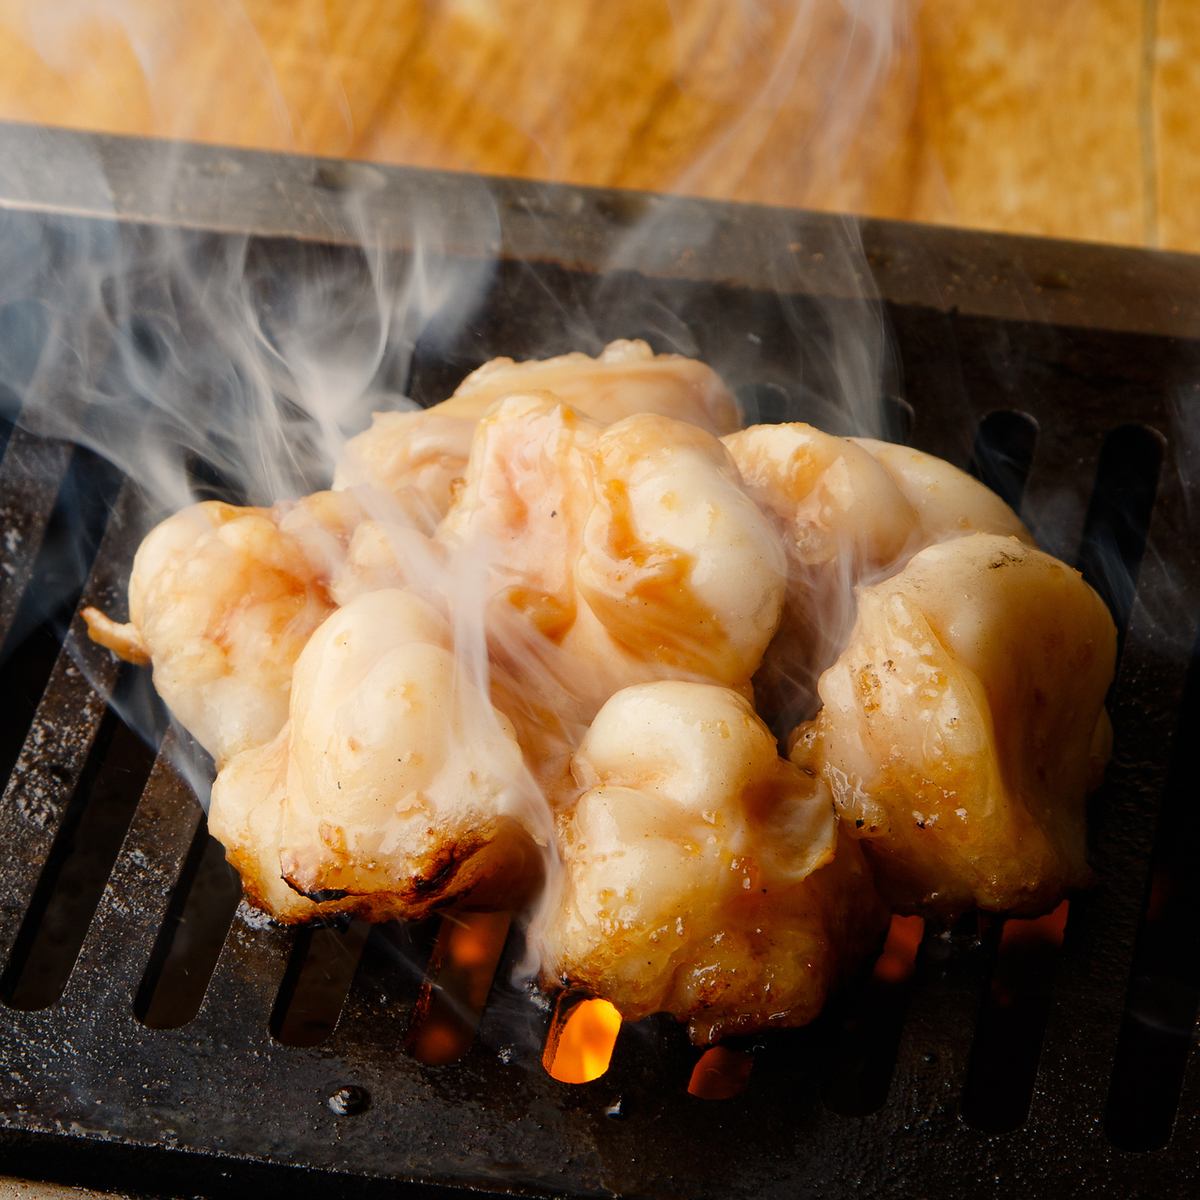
{"x":60,"y":738}
{"x":1164,"y":990}
{"x":134,"y":905}
{"x":319,"y":973}
{"x":191,"y":935}
{"x":30,"y":472}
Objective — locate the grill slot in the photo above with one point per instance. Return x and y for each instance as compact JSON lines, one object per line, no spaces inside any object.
{"x":193,"y":930}
{"x":1003,"y":454}
{"x":863,"y":1055}
{"x":89,"y":836}
{"x":143,"y":1067}
{"x":1114,"y":533}
{"x":952,"y":970}
{"x":1158,"y":1029}
{"x":720,"y":1073}
{"x":582,"y":1038}
{"x":319,"y":973}
{"x":1008,"y":1039}
{"x":763,"y":403}
{"x":457,"y":982}
{"x":1054,"y":509}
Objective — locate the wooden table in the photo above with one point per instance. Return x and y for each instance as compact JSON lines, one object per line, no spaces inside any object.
{"x":1072,"y":118}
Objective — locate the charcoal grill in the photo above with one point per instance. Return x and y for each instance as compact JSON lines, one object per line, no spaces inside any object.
{"x":152,"y":1039}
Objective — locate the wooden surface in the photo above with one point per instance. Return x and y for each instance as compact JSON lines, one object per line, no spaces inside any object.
{"x":1074,"y":118}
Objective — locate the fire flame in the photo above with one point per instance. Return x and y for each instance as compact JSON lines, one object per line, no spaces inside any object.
{"x":720,"y":1073}
{"x":458,"y":979}
{"x":899,"y":956}
{"x":580,"y":1046}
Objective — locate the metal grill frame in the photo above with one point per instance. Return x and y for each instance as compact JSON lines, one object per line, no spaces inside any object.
{"x":1084,"y":338}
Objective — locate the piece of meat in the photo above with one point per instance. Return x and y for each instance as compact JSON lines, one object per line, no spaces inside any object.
{"x":604,"y":557}
{"x":963,"y":725}
{"x":419,"y":458}
{"x":838,"y":507}
{"x":221,"y":601}
{"x":519,"y":515}
{"x":851,"y":510}
{"x":414,"y":460}
{"x":680,"y":573}
{"x":948,"y":502}
{"x":404,"y":786}
{"x":625,"y":378}
{"x":245,"y":815}
{"x":702,"y":875}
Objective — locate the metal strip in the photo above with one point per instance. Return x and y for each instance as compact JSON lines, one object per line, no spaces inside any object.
{"x":30,"y":474}
{"x":1089,"y":994}
{"x":68,"y":172}
{"x":64,"y":728}
{"x":135,"y":900}
{"x":246,"y":980}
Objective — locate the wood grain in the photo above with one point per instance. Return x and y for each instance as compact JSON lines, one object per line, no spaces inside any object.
{"x":1073,"y":119}
{"x":1175,"y":123}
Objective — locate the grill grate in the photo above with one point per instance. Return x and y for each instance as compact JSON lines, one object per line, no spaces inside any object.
{"x":1017,"y":1053}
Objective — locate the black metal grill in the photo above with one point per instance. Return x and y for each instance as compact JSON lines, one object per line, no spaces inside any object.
{"x":152,"y":1038}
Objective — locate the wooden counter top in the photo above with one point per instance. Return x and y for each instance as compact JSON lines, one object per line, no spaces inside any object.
{"x":1072,"y":119}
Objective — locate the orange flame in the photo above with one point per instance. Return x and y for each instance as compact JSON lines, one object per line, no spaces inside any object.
{"x":458,"y":979}
{"x":720,"y":1074}
{"x":580,"y":1045}
{"x":899,"y":956}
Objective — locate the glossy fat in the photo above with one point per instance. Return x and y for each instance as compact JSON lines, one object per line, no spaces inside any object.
{"x":221,"y":601}
{"x":627,"y":377}
{"x":703,"y":876}
{"x":678,"y":566}
{"x":403,"y":784}
{"x":963,"y":724}
{"x":419,"y":458}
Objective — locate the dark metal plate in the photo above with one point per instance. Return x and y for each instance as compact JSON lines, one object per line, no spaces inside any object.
{"x":1098,"y":346}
